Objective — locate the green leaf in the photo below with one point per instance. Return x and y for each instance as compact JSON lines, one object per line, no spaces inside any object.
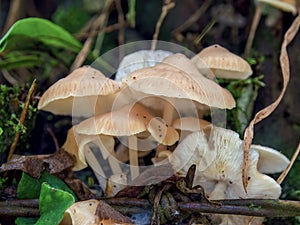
{"x":1,"y":131}
{"x":26,"y":220}
{"x":30,"y":187}
{"x":130,"y":16}
{"x":29,"y":32}
{"x":53,"y":202}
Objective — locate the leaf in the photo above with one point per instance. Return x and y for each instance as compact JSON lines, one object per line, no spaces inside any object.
{"x":30,"y":187}
{"x":26,"y":33}
{"x":53,"y":203}
{"x":130,"y":16}
{"x":285,"y":68}
{"x":17,"y":59}
{"x":34,"y":165}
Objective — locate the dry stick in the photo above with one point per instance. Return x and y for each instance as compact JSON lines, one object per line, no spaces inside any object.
{"x":107,"y":29}
{"x":253,"y":28}
{"x":22,"y":119}
{"x":80,"y":58}
{"x":193,"y":18}
{"x":164,"y":12}
{"x":285,"y":67}
{"x":96,"y":22}
{"x":249,"y":207}
{"x":53,"y":138}
{"x":286,"y":171}
{"x":121,"y":34}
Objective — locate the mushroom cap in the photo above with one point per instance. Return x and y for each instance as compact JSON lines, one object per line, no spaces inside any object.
{"x":270,"y":160}
{"x":177,"y":77}
{"x":224,"y":63}
{"x":138,"y":60}
{"x":219,"y":164}
{"x":285,"y":5}
{"x":127,"y":121}
{"x":83,"y":88}
{"x":130,"y":120}
{"x":82,"y":212}
{"x":191,"y":124}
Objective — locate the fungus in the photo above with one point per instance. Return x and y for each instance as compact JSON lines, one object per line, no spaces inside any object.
{"x":138,"y":60}
{"x":222,"y":62}
{"x":219,"y":167}
{"x":79,"y":213}
{"x":129,"y":121}
{"x":174,"y":79}
{"x":84,"y":92}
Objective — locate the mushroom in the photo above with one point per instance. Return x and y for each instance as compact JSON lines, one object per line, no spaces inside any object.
{"x":284,"y":5}
{"x":81,"y":213}
{"x":139,"y":60}
{"x":223,"y":63}
{"x":270,"y":160}
{"x":175,"y":79}
{"x":129,"y":121}
{"x":84,"y":92}
{"x":219,"y":167}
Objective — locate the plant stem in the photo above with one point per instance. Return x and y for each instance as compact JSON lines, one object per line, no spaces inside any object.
{"x":22,"y":119}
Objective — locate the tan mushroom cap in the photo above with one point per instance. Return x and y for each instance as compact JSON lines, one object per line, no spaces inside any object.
{"x":223,"y":63}
{"x":191,"y":124}
{"x":82,"y":89}
{"x":82,"y":212}
{"x":285,"y":5}
{"x":177,"y":77}
{"x":127,"y":121}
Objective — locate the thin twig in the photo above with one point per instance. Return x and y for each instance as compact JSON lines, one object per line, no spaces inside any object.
{"x":164,"y":12}
{"x":22,"y":119}
{"x":94,"y":25}
{"x":53,"y":138}
{"x":249,"y":207}
{"x":121,"y":34}
{"x":107,"y":29}
{"x":286,"y":171}
{"x":253,"y":28}
{"x":193,"y":18}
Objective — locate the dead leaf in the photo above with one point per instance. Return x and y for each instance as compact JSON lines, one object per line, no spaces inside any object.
{"x":262,"y":114}
{"x":34,"y":165}
{"x":107,"y":215}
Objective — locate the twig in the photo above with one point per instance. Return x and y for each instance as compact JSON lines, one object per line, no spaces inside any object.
{"x":96,"y":22}
{"x":107,"y":29}
{"x":285,"y":68}
{"x":286,"y":171}
{"x":193,"y":18}
{"x":24,"y":207}
{"x":22,"y":119}
{"x":249,"y":207}
{"x":80,"y":58}
{"x":253,"y":28}
{"x":168,"y":5}
{"x":53,"y":138}
{"x":121,"y":34}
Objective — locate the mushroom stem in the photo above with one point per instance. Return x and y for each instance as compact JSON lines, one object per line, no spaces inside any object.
{"x":114,"y":163}
{"x":168,"y":114}
{"x":133,"y":156}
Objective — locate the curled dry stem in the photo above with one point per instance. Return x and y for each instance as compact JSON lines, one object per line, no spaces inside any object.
{"x":285,"y":68}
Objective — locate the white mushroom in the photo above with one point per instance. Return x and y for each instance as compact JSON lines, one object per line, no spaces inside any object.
{"x":219,"y":167}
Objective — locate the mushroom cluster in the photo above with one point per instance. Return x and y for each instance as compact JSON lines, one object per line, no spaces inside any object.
{"x":157,"y":111}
